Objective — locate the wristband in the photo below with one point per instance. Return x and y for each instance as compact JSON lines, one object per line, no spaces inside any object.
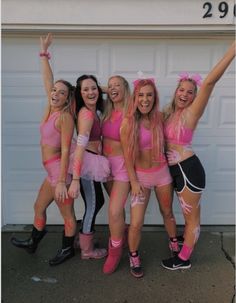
{"x":45,"y":54}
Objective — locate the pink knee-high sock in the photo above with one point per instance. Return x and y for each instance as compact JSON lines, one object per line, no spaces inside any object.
{"x":185,"y":252}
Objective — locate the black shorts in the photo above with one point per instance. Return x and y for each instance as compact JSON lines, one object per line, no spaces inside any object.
{"x":189,"y":173}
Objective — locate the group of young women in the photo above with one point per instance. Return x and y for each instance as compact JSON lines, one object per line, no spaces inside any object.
{"x":129,"y":145}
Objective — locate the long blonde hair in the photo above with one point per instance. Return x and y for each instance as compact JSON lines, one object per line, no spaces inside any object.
{"x":109,"y":104}
{"x":169,"y":109}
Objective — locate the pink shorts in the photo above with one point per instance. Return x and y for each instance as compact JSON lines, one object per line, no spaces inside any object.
{"x":155,"y":176}
{"x":118,"y":169}
{"x":52,"y":167}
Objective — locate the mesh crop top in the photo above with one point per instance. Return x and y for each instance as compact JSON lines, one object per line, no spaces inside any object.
{"x":96,"y":131}
{"x":50,"y":135}
{"x":111,"y":127}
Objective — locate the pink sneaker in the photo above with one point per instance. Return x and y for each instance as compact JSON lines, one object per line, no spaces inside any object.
{"x":135,"y":267}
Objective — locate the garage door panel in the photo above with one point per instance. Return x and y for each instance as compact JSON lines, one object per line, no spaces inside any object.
{"x":22,"y":55}
{"x":86,"y":57}
{"x":180,"y":60}
{"x":25,"y":111}
{"x":135,"y":62}
{"x":226,"y":112}
{"x":23,"y":100}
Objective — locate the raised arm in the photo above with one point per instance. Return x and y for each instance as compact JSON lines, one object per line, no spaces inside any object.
{"x":198,"y":106}
{"x":85,"y":123}
{"x":47,"y":74}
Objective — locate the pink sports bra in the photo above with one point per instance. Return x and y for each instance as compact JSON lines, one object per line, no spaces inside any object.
{"x":111,"y":127}
{"x":50,"y":135}
{"x":145,"y":138}
{"x":183,"y":136}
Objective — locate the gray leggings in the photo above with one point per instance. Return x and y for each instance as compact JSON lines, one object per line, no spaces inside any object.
{"x":92,"y":194}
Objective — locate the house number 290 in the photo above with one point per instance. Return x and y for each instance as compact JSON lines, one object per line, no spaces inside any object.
{"x":223,"y":9}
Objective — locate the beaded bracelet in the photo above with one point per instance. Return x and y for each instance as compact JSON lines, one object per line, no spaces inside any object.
{"x":45,"y":54}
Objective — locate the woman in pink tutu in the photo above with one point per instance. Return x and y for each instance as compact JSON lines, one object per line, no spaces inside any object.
{"x":90,"y":168}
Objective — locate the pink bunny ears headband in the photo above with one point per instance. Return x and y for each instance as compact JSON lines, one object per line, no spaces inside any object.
{"x":182,"y":76}
{"x":186,"y":76}
{"x":142,"y":77}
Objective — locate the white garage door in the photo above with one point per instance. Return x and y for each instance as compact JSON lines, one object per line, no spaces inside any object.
{"x":23,"y":100}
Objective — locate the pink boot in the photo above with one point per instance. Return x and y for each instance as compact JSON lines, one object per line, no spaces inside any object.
{"x":87,"y":248}
{"x":113,"y":259}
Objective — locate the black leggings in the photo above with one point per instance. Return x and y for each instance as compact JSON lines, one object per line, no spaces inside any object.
{"x":92,"y":194}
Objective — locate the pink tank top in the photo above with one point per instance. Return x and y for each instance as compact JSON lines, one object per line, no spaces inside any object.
{"x":181,"y":136}
{"x":96,"y":131}
{"x":50,"y":135}
{"x":145,"y":138}
{"x":111,"y":127}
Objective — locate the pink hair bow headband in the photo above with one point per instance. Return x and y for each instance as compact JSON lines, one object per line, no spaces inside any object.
{"x":142,"y":77}
{"x":186,"y":76}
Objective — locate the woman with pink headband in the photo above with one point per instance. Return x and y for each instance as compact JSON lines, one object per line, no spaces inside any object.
{"x":181,"y":118}
{"x":56,"y":130}
{"x":143,"y":144}
{"x":118,"y":187}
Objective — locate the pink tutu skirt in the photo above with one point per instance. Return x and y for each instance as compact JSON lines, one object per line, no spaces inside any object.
{"x":94,"y":167}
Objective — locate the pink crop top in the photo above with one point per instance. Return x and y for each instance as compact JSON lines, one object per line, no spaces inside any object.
{"x":96,"y":131}
{"x":183,"y":136}
{"x":111,"y":127}
{"x":50,"y":135}
{"x":145,"y":138}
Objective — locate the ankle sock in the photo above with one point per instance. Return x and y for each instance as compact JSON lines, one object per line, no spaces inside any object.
{"x":133,"y":253}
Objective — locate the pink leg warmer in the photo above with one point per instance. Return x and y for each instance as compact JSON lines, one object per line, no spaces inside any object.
{"x":185,"y":252}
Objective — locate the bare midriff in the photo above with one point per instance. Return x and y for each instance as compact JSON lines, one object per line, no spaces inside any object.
{"x":48,"y":152}
{"x":144,"y":160}
{"x":183,"y":151}
{"x":94,"y":146}
{"x":112,"y":148}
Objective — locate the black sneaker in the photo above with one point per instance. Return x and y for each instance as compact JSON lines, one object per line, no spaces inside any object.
{"x":135,"y":267}
{"x":180,"y":240}
{"x":175,"y":263}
